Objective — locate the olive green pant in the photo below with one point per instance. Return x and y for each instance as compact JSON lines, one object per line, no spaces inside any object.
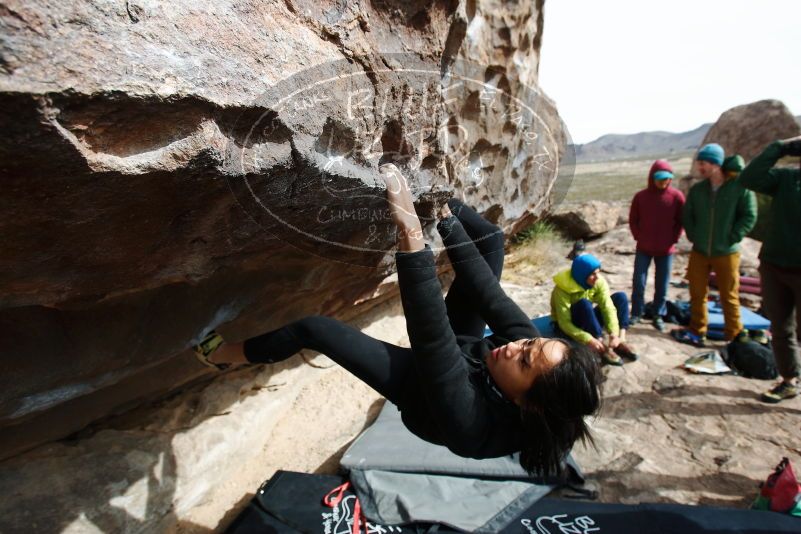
{"x":781,"y":300}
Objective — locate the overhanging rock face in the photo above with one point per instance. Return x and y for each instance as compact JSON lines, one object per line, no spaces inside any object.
{"x":172,"y":167}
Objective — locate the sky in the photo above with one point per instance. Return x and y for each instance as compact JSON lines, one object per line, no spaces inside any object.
{"x":627,"y":66}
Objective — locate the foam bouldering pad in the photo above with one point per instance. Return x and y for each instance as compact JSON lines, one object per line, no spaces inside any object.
{"x":543,"y":324}
{"x":751,"y":320}
{"x":292,"y":502}
{"x":389,"y":446}
{"x":558,"y":516}
{"x":748,"y":284}
{"x":399,"y":477}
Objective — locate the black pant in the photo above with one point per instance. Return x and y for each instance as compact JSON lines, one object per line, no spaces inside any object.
{"x":381,"y":365}
{"x":781,"y":300}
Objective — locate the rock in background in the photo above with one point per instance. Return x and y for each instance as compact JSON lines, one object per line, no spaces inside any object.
{"x":746,"y":130}
{"x":173,"y":167}
{"x":587,"y":220}
{"x":749,"y":128}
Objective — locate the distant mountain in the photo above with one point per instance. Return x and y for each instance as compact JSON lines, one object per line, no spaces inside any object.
{"x":643,"y":144}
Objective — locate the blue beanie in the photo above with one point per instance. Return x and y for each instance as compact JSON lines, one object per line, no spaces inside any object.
{"x":583,"y":266}
{"x":713,"y":153}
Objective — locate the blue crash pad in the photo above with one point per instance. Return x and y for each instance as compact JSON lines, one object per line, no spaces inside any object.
{"x":751,"y":320}
{"x":543,"y":324}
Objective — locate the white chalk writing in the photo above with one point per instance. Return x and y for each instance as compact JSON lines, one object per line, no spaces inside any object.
{"x":340,"y":520}
{"x":549,"y":525}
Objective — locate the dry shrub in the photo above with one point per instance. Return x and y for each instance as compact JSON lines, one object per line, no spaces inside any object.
{"x":537,"y":254}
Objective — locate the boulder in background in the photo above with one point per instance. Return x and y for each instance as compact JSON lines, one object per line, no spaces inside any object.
{"x":587,"y":220}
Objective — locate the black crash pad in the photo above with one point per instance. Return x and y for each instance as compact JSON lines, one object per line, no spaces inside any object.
{"x":292,"y":502}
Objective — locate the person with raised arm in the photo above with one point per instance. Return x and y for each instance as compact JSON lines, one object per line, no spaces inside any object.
{"x":481,"y":397}
{"x":780,"y":259}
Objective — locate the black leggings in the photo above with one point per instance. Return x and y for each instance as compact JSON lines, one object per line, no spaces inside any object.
{"x":381,"y":365}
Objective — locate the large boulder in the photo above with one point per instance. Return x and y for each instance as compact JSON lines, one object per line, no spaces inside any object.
{"x":587,"y":220}
{"x":174,"y":167}
{"x":746,"y":130}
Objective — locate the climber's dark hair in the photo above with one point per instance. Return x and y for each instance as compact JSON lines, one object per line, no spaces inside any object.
{"x":553,"y":410}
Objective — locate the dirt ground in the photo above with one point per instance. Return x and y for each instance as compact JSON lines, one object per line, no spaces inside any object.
{"x":666,"y":435}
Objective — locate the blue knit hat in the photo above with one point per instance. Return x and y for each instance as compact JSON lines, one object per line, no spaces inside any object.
{"x":713,"y":153}
{"x":582,"y":267}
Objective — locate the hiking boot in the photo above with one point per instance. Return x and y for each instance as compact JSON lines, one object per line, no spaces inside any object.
{"x":610,"y":358}
{"x":784,"y":390}
{"x":686,"y":336}
{"x":659,"y":324}
{"x":206,"y":347}
{"x":625,"y":351}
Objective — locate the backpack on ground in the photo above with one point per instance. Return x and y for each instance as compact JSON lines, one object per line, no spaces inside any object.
{"x":781,"y":492}
{"x":751,"y":360}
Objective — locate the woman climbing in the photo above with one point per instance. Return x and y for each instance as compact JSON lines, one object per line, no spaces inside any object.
{"x":480,"y":397}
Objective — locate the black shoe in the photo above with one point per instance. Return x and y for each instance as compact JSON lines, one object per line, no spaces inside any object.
{"x":610,"y":358}
{"x":624,"y":351}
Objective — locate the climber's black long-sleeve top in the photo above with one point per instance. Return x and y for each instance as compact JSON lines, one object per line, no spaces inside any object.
{"x":448,"y":397}
{"x":441,"y":384}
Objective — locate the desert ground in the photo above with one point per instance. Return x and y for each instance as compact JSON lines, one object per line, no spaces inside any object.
{"x":616,"y":180}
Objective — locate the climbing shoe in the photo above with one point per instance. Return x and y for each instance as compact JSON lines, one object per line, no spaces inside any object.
{"x":206,"y":347}
{"x":610,"y":358}
{"x":784,"y":390}
{"x":625,"y":352}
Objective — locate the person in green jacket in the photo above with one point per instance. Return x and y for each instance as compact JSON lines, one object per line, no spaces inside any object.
{"x":780,"y":258}
{"x":718,"y":213}
{"x":575,"y":292}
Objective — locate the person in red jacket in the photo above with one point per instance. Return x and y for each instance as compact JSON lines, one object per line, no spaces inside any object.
{"x":655,"y":222}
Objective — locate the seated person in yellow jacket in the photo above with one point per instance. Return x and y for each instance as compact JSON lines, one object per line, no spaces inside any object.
{"x":581,"y":307}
